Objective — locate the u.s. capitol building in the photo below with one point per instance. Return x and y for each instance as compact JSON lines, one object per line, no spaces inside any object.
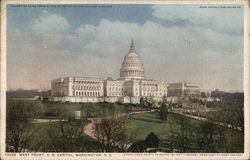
{"x":129,"y":88}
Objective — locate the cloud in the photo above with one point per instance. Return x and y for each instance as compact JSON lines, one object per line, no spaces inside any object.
{"x":187,"y":53}
{"x":227,"y":20}
{"x":50,"y":23}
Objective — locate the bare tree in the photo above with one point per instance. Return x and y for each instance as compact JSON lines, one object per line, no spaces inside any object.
{"x":18,"y":131}
{"x":66,"y":137}
{"x":111,"y":132}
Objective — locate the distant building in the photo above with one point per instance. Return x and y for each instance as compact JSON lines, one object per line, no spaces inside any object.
{"x":184,"y":89}
{"x":206,"y":94}
{"x":129,"y":88}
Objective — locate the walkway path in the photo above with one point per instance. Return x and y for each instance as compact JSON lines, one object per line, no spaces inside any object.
{"x":89,"y":128}
{"x":44,"y":120}
{"x":207,"y":120}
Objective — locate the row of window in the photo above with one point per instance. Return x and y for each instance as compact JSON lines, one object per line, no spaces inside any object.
{"x":115,"y":89}
{"x":87,"y":82}
{"x":151,"y":94}
{"x":113,"y":84}
{"x":87,"y":94}
{"x":149,"y":84}
{"x":87,"y":87}
{"x":152,"y":90}
{"x":136,"y":94}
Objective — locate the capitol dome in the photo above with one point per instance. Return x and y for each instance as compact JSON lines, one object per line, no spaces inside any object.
{"x":132,"y":66}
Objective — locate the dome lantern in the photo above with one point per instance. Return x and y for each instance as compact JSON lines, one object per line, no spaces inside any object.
{"x":132,"y":46}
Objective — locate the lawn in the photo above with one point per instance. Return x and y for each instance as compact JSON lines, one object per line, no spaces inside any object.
{"x":143,"y":124}
{"x":224,"y":140}
{"x":197,"y":136}
{"x":93,"y":109}
{"x":140,"y":126}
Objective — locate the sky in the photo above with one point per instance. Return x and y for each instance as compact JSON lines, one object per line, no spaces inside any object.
{"x":177,"y":43}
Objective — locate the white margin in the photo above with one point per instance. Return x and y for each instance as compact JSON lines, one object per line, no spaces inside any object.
{"x":145,"y":156}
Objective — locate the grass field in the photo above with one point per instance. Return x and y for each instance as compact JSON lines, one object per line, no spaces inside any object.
{"x":93,"y":109}
{"x":140,"y":126}
{"x":176,"y":130}
{"x":224,"y":140}
{"x":143,"y":124}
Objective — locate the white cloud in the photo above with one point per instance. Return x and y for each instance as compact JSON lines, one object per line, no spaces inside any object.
{"x":173,"y":54}
{"x":219,"y":19}
{"x":50,"y":31}
{"x":50,"y":23}
{"x":86,"y":30}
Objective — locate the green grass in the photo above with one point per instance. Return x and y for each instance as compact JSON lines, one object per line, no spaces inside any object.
{"x":143,"y":124}
{"x":225,"y":140}
{"x":140,"y":126}
{"x":95,"y":109}
{"x":213,"y":115}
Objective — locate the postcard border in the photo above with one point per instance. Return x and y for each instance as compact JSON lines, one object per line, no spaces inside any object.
{"x":3,"y":84}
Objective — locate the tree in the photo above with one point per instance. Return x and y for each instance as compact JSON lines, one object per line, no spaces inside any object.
{"x":65,"y":137}
{"x":164,"y":109}
{"x":152,"y":140}
{"x":146,"y":103}
{"x":141,"y":102}
{"x":18,"y":133}
{"x":208,"y":131}
{"x":85,"y":111}
{"x":59,"y":111}
{"x":234,"y":114}
{"x":183,"y":140}
{"x":138,"y":146}
{"x":171,"y":131}
{"x":111,"y":132}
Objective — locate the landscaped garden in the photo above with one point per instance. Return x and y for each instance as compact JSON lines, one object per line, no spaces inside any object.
{"x":181,"y":134}
{"x":145,"y":131}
